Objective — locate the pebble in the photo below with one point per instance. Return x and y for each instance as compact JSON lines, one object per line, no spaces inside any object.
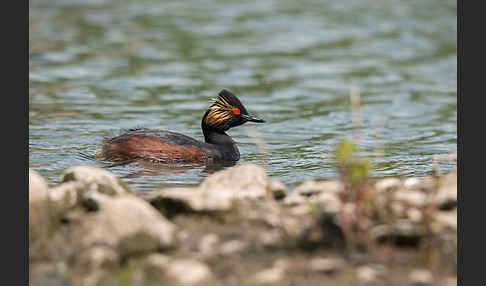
{"x":421,"y":277}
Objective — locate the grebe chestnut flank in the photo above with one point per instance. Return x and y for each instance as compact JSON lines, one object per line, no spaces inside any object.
{"x":169,"y":147}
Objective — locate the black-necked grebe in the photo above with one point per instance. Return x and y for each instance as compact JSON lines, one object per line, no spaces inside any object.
{"x":169,"y":147}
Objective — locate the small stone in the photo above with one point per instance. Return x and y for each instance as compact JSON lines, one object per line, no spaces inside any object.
{"x":233,"y":246}
{"x":411,"y":183}
{"x":421,"y":277}
{"x":277,"y":189}
{"x":270,"y":238}
{"x":445,"y":219}
{"x":366,"y":274}
{"x":99,"y":257}
{"x":450,"y":281}
{"x":397,"y":208}
{"x":271,"y":275}
{"x":412,"y":198}
{"x":326,"y":265}
{"x":208,"y":244}
{"x":388,"y":184}
{"x":157,"y":262}
{"x":414,"y":215}
{"x":189,"y":271}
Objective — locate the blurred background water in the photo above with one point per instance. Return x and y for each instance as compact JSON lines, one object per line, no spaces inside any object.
{"x":98,"y":66}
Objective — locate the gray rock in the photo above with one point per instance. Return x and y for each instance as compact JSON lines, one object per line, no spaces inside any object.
{"x":244,"y":181}
{"x":215,"y":194}
{"x":95,"y":178}
{"x":188,"y":271}
{"x":182,"y":200}
{"x":128,"y":224}
{"x":38,"y":189}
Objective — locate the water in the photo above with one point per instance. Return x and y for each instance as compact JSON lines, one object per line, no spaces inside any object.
{"x":96,"y":67}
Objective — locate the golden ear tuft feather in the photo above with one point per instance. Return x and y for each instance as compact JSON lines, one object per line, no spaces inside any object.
{"x":220,"y":111}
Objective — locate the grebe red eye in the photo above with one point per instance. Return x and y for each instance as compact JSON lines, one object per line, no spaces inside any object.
{"x":236,"y":111}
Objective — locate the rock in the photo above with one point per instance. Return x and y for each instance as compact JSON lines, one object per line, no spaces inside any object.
{"x":215,"y":194}
{"x":330,"y":202}
{"x":326,"y":265}
{"x":244,"y":181}
{"x":66,"y":195}
{"x":411,"y":183}
{"x":38,"y":189}
{"x":270,"y":238}
{"x":415,"y":215}
{"x":40,"y":215}
{"x":294,"y":199}
{"x":400,"y":233}
{"x":208,"y":244}
{"x":100,"y":257}
{"x":157,"y":262}
{"x":232,"y":247}
{"x":173,"y":201}
{"x":128,"y":224}
{"x":366,"y":274}
{"x":277,"y":189}
{"x":444,"y":219}
{"x":188,"y":271}
{"x":412,"y":198}
{"x":309,"y":188}
{"x":388,"y":185}
{"x":421,"y":277}
{"x":445,"y":198}
{"x":450,"y":281}
{"x":271,"y":275}
{"x":300,"y":210}
{"x":95,"y":178}
{"x":398,"y":209}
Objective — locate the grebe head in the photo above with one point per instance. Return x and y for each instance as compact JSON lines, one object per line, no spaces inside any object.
{"x":227,"y":111}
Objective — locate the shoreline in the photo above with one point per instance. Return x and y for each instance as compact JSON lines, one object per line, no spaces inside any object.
{"x":241,"y":227}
